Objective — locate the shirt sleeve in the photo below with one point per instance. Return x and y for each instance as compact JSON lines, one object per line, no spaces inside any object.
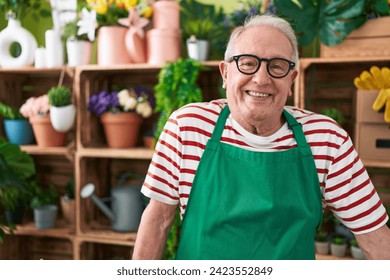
{"x":350,"y":194}
{"x":162,"y":180}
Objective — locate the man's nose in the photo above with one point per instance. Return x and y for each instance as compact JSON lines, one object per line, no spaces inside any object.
{"x":261,"y":76}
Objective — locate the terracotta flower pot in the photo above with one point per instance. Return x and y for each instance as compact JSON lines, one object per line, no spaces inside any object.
{"x":111,"y":46}
{"x":121,"y":129}
{"x":45,"y":134}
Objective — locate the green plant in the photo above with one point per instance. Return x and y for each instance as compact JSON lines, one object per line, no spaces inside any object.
{"x":16,"y":169}
{"x":177,"y":86}
{"x":69,"y":32}
{"x":69,"y":189}
{"x":10,"y":113}
{"x":354,"y":243}
{"x":331,"y":20}
{"x":338,"y":240}
{"x":44,"y":196}
{"x":21,"y":8}
{"x":335,"y":114}
{"x":321,"y":236}
{"x":202,"y":29}
{"x":60,"y":96}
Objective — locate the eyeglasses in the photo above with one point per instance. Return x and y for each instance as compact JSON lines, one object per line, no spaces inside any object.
{"x":249,"y":64}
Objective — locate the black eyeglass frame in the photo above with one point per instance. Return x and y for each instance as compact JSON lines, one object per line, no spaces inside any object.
{"x":291,"y":65}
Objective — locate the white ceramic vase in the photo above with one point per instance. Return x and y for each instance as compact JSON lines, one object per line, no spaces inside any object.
{"x":62,"y":118}
{"x":198,"y":49}
{"x":78,"y":52}
{"x":15,"y":33}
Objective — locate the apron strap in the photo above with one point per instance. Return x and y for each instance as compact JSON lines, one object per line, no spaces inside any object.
{"x":299,"y":136}
{"x":220,"y":125}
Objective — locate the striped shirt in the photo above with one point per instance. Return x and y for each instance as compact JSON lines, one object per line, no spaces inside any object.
{"x":345,"y":185}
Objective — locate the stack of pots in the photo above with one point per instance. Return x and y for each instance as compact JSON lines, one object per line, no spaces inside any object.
{"x":164,"y":41}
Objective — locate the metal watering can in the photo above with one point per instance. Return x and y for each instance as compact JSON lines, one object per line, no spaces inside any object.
{"x":126,"y":202}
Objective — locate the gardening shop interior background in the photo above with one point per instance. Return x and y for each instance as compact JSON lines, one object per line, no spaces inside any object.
{"x":84,"y":95}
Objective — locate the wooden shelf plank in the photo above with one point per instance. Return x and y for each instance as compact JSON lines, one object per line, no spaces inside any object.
{"x":331,"y":257}
{"x":108,"y":237}
{"x":104,"y":152}
{"x":62,"y":230}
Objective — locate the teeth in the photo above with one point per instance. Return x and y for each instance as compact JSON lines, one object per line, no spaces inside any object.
{"x":258,"y":94}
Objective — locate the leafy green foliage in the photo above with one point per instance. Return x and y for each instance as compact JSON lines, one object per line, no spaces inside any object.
{"x":21,"y":8}
{"x":60,"y":96}
{"x":338,"y":240}
{"x":335,"y":114}
{"x":70,"y":30}
{"x":201,"y":29}
{"x":10,"y":113}
{"x":321,"y":236}
{"x":177,"y":86}
{"x":18,"y":160}
{"x":354,"y":243}
{"x":331,"y":20}
{"x":44,"y":196}
{"x":16,"y":168}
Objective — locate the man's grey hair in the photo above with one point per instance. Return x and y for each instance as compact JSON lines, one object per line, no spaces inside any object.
{"x":264,"y":20}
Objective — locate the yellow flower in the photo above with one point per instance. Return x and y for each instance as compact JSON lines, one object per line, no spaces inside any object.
{"x":100,"y":6}
{"x":148,"y":11}
{"x":130,"y":4}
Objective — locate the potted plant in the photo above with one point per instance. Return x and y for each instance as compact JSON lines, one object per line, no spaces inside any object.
{"x":321,"y":242}
{"x":203,"y":30}
{"x":44,"y":205}
{"x":121,"y":113}
{"x":199,"y":32}
{"x":338,"y":246}
{"x":16,"y":169}
{"x":37,"y":110}
{"x":68,"y":202}
{"x":356,"y":252}
{"x":16,"y":127}
{"x":62,"y":110}
{"x":78,"y":36}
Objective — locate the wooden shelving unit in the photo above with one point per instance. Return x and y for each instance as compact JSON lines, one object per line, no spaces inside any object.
{"x":86,"y":157}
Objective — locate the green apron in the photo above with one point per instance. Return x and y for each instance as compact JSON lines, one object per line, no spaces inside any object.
{"x":252,"y":205}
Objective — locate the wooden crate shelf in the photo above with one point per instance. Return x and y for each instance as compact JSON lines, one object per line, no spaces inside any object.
{"x":328,"y":82}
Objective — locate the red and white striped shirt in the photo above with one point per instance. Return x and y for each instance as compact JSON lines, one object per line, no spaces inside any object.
{"x":345,"y":185}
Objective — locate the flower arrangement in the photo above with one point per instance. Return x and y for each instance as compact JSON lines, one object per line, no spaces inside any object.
{"x":138,"y":99}
{"x":35,"y":106}
{"x":108,"y":12}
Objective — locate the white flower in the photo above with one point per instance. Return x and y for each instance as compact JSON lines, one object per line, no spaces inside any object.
{"x":144,"y":109}
{"x":87,"y":24}
{"x":127,"y":99}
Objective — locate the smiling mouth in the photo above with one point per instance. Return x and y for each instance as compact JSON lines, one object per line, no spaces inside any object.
{"x":257,"y":94}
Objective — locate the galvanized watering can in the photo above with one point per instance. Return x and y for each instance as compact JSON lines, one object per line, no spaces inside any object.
{"x":126,"y":202}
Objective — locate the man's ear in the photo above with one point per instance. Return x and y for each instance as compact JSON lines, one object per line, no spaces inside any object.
{"x":294,"y":75}
{"x":223,"y":71}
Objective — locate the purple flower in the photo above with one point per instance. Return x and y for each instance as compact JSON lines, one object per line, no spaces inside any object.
{"x":103,"y":101}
